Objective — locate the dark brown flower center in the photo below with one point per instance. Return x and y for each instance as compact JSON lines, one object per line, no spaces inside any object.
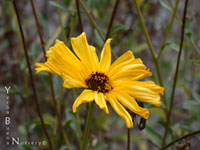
{"x":99,"y":82}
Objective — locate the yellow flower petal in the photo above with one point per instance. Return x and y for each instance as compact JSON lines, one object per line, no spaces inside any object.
{"x":105,"y":60}
{"x":86,"y":53}
{"x":42,"y":67}
{"x":85,"y":97}
{"x":126,"y":67}
{"x":60,"y":60}
{"x":100,"y":101}
{"x":120,"y":110}
{"x":129,"y":75}
{"x":145,"y":91}
{"x":94,"y":55}
{"x":131,"y":104}
{"x":124,"y":59}
{"x":69,"y":82}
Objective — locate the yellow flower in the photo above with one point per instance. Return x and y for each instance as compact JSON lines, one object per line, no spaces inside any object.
{"x":117,"y":83}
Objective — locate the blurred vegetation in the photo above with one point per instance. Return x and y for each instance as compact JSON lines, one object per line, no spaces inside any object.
{"x":108,"y":132}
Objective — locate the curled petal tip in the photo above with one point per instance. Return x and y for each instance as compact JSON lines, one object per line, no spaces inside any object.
{"x":57,"y":41}
{"x":83,"y":33}
{"x":146,"y":114}
{"x":162,"y":90}
{"x":108,"y":40}
{"x":129,"y":125}
{"x":37,"y":71}
{"x":107,"y":112}
{"x":74,"y":110}
{"x":159,"y":104}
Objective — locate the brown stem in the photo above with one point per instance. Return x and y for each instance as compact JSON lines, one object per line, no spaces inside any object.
{"x":39,"y":29}
{"x":50,"y":75}
{"x":128,"y":138}
{"x":181,"y":138}
{"x":31,"y":75}
{"x":176,"y":74}
{"x":79,"y":16}
{"x":111,"y":20}
{"x":81,"y":29}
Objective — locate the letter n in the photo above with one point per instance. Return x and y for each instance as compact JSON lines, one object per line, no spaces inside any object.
{"x":15,"y":141}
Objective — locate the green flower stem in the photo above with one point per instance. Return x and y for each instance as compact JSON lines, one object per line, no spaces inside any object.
{"x":168,"y":30}
{"x":180,"y":23}
{"x":87,"y":127}
{"x":150,"y":47}
{"x":71,"y":31}
{"x":91,"y":20}
{"x":61,"y":24}
{"x":177,"y":17}
{"x":95,"y":25}
{"x":195,"y":47}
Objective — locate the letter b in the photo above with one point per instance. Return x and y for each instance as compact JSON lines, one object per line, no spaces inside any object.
{"x":7,"y":120}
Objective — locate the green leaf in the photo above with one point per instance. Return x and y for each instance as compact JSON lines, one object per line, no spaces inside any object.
{"x":191,"y":120}
{"x":44,"y":23}
{"x":187,"y":128}
{"x":165,"y":6}
{"x":71,"y":121}
{"x":57,"y":83}
{"x":139,"y":48}
{"x":62,"y":6}
{"x":190,"y":36}
{"x":185,"y":88}
{"x":48,"y":120}
{"x":154,"y":136}
{"x":176,"y":129}
{"x":67,"y":124}
{"x":67,"y":2}
{"x":158,"y":111}
{"x":196,"y":96}
{"x":59,"y":5}
{"x":172,"y":45}
{"x":191,"y":105}
{"x":70,"y":116}
{"x":118,"y":28}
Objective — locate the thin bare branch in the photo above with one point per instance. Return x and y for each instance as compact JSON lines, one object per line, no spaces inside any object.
{"x":31,"y":76}
{"x":176,"y":74}
{"x":181,"y":138}
{"x":50,"y":76}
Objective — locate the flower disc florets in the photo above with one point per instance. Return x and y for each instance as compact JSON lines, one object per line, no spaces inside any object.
{"x":98,"y":82}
